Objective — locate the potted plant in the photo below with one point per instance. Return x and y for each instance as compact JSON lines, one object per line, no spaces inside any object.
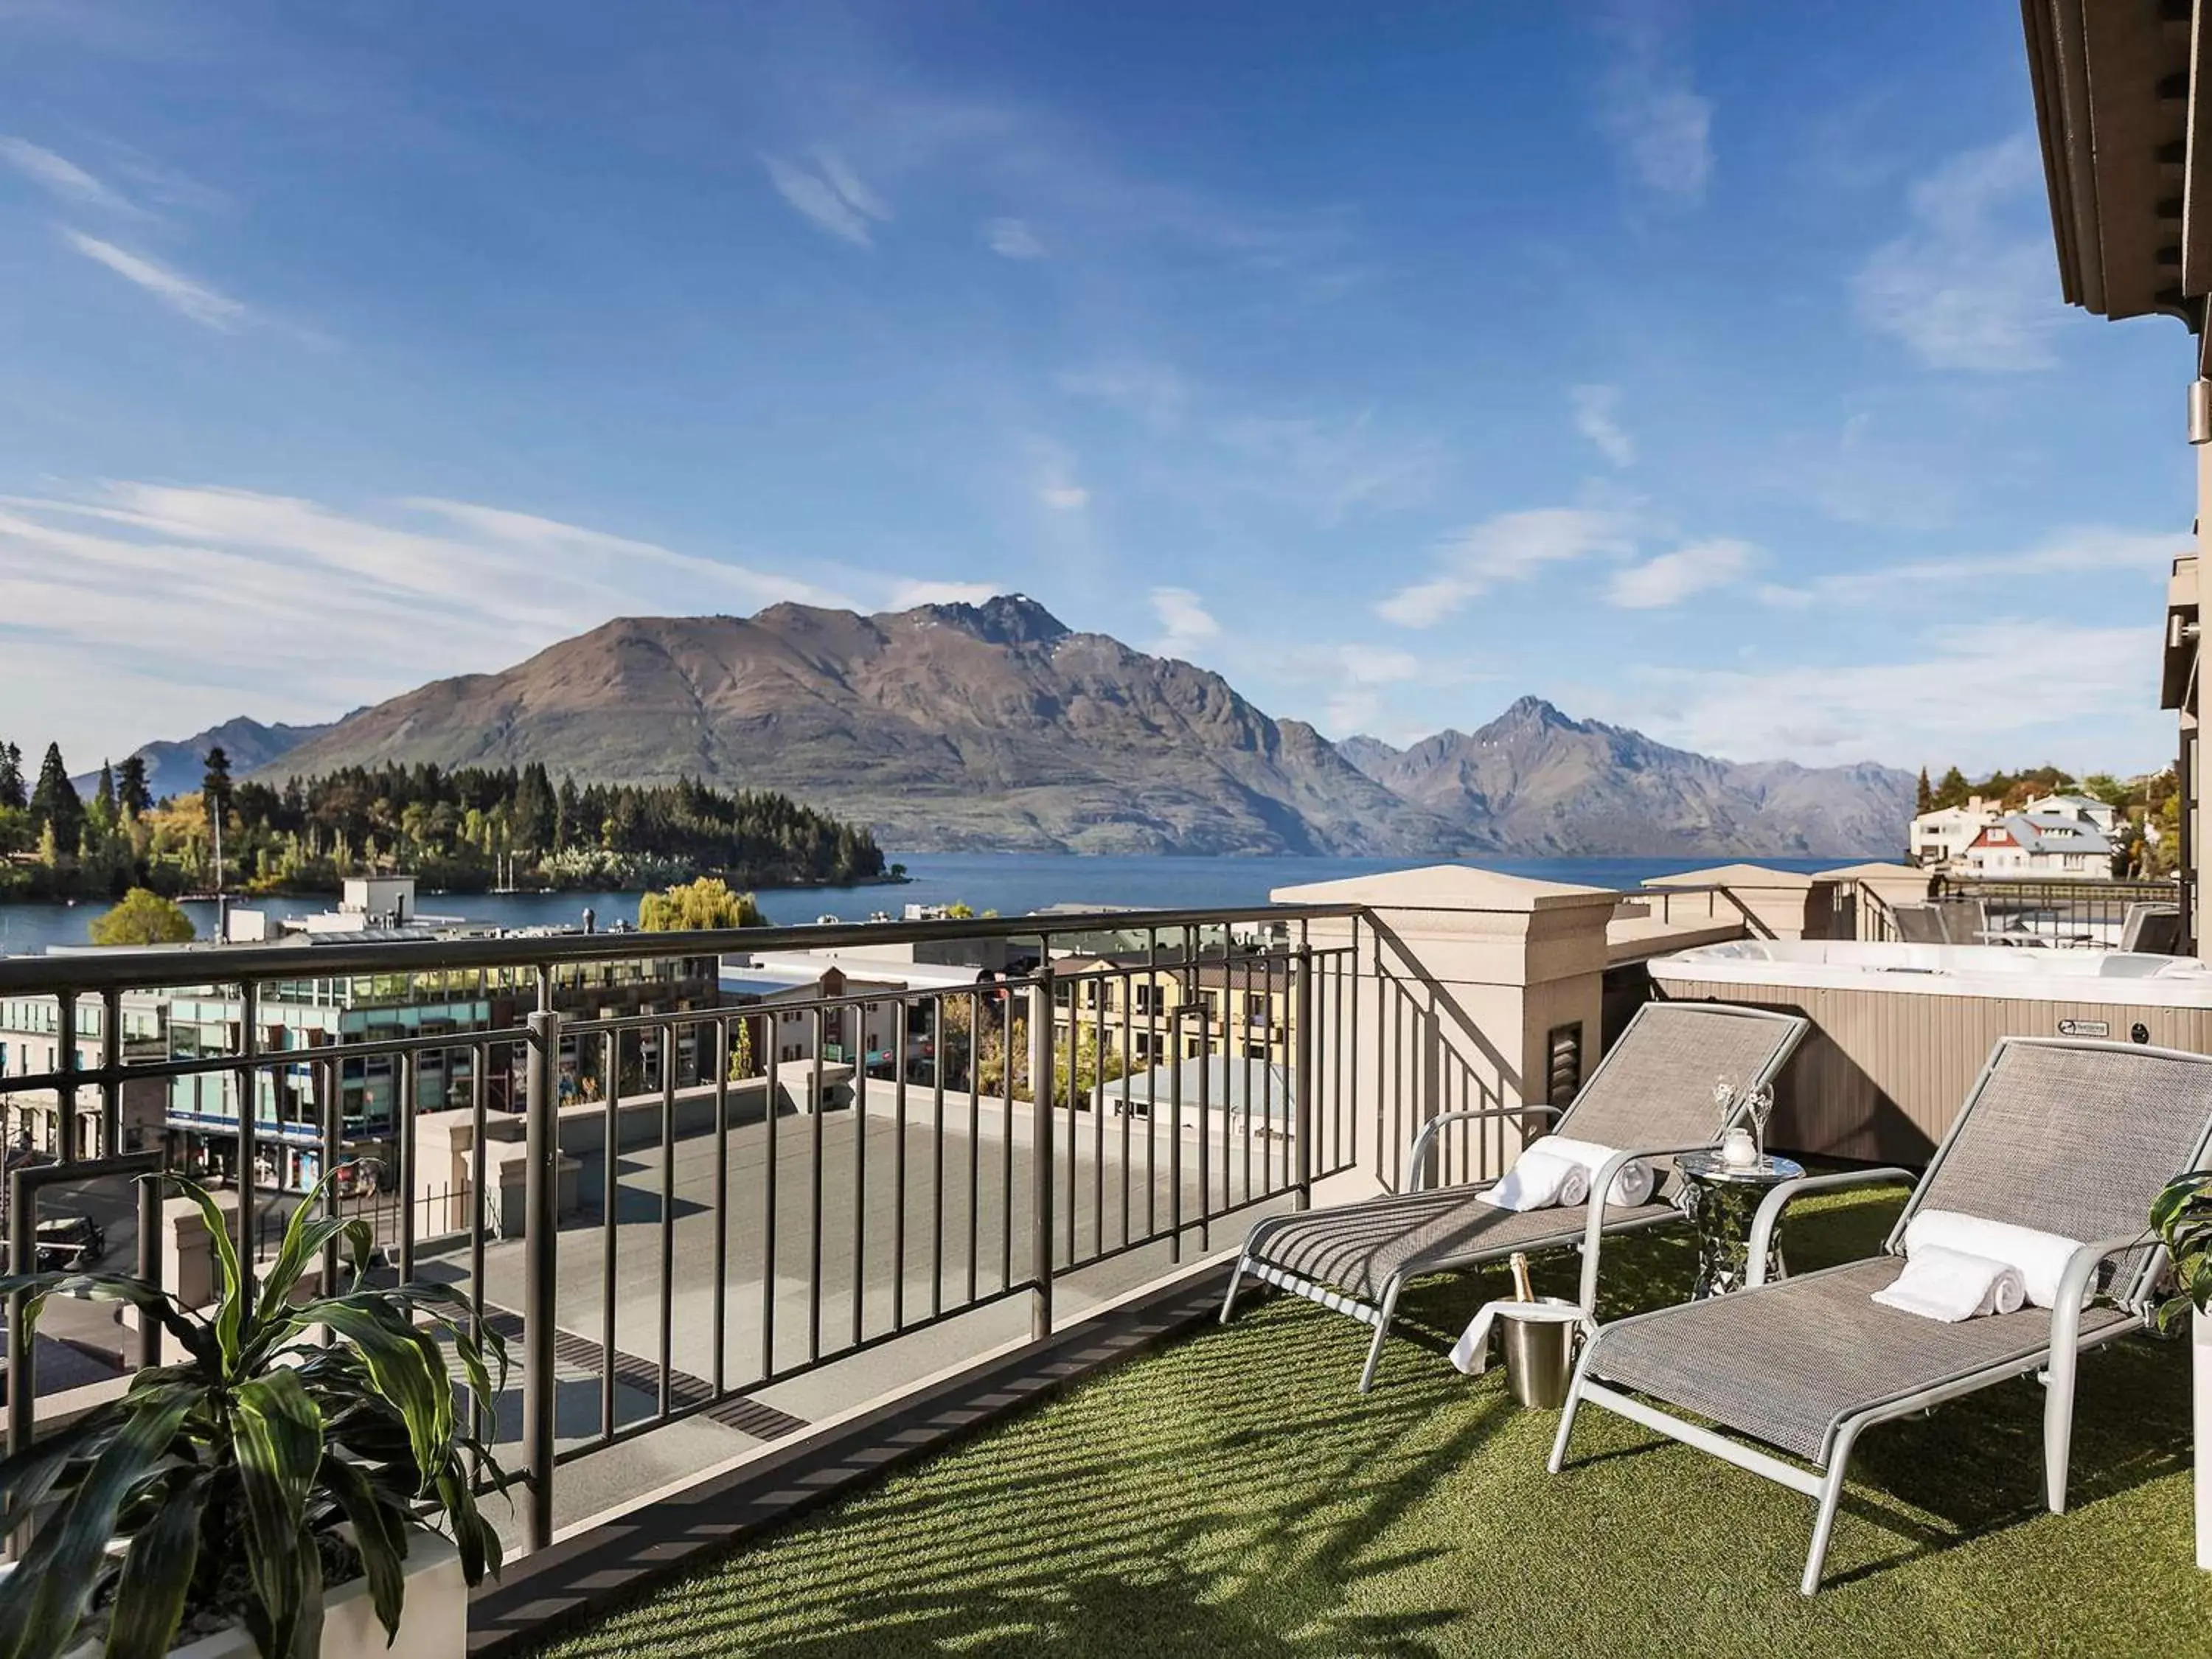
{"x":295,"y":1449}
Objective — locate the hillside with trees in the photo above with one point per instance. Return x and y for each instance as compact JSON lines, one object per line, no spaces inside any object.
{"x":463,"y":829}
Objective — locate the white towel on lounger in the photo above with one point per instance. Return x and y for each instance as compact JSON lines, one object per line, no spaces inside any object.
{"x":1631,"y":1182}
{"x":2040,"y":1257}
{"x":1939,"y":1283}
{"x":1540,"y":1178}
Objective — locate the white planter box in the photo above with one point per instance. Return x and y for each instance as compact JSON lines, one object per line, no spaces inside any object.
{"x":434,"y":1624}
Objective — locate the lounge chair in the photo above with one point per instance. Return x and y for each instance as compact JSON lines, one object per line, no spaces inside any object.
{"x":2152,"y":927}
{"x":2068,"y":1137}
{"x":1920,"y":924}
{"x":1651,"y":1097}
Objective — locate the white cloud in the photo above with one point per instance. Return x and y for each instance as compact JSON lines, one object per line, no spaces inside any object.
{"x":1065,"y":498}
{"x":1327,"y":468}
{"x":2101,"y":711}
{"x":1155,"y":393}
{"x":1970,"y":286}
{"x":1185,"y":622}
{"x":59,"y":176}
{"x":179,"y":293}
{"x":1011,"y":239}
{"x":906,"y":595}
{"x":830,"y":193}
{"x":1652,"y":111}
{"x":298,"y":610}
{"x":2075,"y":549}
{"x":1362,"y":671}
{"x":1597,"y":418}
{"x":1673,"y":577}
{"x":1511,"y":547}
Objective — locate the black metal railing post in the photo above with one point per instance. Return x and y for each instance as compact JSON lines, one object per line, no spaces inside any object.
{"x":1301,"y":1097}
{"x":541,"y":1192}
{"x":65,"y":1125}
{"x":1040,"y":1147}
{"x":247,"y":1176}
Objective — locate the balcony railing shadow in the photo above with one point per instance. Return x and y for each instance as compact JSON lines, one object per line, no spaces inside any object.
{"x":1230,"y":1495}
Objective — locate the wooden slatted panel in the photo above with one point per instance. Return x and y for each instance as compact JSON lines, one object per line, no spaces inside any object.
{"x":1882,"y":1073}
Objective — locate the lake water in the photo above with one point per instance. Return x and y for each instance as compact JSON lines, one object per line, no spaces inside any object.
{"x":1009,"y":883}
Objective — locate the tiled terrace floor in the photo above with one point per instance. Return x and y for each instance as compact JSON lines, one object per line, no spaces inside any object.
{"x":1231,"y":1495}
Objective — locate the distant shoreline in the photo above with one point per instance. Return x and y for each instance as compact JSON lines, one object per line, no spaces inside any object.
{"x":826,"y":885}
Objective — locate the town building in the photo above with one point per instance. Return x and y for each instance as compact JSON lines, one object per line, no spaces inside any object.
{"x":1934,"y":838}
{"x":198,"y":1114}
{"x":1236,"y":1005}
{"x":2040,"y":846}
{"x":892,"y":1029}
{"x":30,"y":1046}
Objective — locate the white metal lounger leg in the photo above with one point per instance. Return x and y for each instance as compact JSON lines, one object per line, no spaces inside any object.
{"x":1381,"y":1330}
{"x":1831,"y":1494}
{"x":2059,"y":1423}
{"x":1229,"y":1302}
{"x":1567,"y":1412}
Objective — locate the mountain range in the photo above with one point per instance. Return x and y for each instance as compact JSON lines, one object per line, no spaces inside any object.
{"x":995,"y":726}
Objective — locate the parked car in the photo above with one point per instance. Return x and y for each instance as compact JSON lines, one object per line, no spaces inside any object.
{"x":68,"y":1242}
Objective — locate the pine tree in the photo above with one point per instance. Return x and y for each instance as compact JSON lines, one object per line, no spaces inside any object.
{"x":55,"y":806}
{"x":131,"y":794}
{"x":1925,"y":801}
{"x":103,"y":796}
{"x":215,"y":785}
{"x":11,"y":778}
{"x":1955,"y":789}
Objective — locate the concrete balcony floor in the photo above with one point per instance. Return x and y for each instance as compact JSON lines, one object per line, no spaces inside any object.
{"x":1230,"y":1494}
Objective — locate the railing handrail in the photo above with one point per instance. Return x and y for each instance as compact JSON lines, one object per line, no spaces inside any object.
{"x":157,"y":968}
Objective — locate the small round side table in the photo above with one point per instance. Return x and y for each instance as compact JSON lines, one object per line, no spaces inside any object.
{"x":1721,"y":1200}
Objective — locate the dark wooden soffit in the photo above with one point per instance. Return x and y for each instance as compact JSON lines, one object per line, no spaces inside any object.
{"x":2121,"y":107}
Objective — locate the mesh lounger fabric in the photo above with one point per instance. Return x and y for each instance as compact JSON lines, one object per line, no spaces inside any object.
{"x":1656,"y":1089}
{"x":2067,"y":1139}
{"x":1786,"y":1364}
{"x":1360,"y":1248}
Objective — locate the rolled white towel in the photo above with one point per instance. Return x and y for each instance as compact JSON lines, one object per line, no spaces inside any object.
{"x":1539,"y":1179}
{"x":1631,"y":1182}
{"x":1941,"y":1283}
{"x":2040,"y":1257}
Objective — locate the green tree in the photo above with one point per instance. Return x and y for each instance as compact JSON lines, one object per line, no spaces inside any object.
{"x":143,"y":918}
{"x":131,"y":794}
{"x":742,"y":1062}
{"x":1926,"y":801}
{"x":705,"y":903}
{"x":215,"y":786}
{"x":12,"y":793}
{"x":2103,"y":786}
{"x":55,"y":806}
{"x":1953,"y":790}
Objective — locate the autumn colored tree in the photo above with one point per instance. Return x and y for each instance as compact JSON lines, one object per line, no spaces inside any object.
{"x":143,"y":918}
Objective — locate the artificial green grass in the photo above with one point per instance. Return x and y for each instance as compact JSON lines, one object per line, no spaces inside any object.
{"x":1233,"y":1495}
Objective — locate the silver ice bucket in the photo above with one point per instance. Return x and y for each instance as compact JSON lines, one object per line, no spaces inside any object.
{"x":1539,"y":1354}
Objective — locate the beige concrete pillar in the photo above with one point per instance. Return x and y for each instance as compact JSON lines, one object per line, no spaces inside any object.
{"x":1773,"y":903}
{"x":1466,"y":982}
{"x":1892,"y":883}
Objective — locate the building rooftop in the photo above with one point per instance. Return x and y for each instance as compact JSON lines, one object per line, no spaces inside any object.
{"x":2056,"y":832}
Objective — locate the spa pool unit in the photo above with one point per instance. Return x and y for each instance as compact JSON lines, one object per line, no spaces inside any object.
{"x":1901,"y":1030}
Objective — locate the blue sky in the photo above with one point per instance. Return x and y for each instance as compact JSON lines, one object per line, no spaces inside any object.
{"x":1700,"y":368}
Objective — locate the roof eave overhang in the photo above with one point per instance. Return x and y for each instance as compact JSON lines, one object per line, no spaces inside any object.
{"x":2127,"y":151}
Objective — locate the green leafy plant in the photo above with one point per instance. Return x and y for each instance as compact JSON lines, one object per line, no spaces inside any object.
{"x":2182,"y":1216}
{"x":283,"y":1432}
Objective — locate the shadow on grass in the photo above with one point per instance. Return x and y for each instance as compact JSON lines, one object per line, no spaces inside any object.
{"x":1233,"y":1495}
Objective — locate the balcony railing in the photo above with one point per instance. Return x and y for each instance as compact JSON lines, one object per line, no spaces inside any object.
{"x":676,"y":1248}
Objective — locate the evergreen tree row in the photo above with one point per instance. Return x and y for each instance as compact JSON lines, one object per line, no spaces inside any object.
{"x":461,"y":828}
